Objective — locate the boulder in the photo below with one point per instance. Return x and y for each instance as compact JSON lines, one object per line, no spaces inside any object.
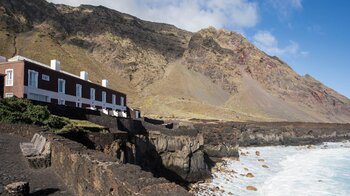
{"x":249,"y":175}
{"x":16,"y":189}
{"x":251,"y":188}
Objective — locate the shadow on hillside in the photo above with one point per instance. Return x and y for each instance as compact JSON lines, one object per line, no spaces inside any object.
{"x":45,"y":192}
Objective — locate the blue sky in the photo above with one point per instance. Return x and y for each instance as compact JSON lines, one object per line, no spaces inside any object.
{"x":322,"y":31}
{"x":312,"y":36}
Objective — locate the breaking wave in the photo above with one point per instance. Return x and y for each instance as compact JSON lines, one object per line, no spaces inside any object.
{"x":277,"y":171}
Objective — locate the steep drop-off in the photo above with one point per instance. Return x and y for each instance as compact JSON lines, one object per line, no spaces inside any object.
{"x":168,"y":72}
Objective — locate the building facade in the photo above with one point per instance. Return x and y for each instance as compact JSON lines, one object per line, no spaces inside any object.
{"x":29,"y":79}
{"x":134,"y":113}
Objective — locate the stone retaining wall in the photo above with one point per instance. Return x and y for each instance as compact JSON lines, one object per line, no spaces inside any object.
{"x":89,"y":172}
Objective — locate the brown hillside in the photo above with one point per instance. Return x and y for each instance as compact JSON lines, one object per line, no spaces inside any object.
{"x":166,"y":71}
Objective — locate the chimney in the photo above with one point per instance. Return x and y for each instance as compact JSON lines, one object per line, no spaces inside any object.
{"x":55,"y":65}
{"x":84,"y":75}
{"x":15,"y":58}
{"x":105,"y":83}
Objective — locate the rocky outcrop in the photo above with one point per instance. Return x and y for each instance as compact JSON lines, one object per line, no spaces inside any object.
{"x":177,"y":154}
{"x":220,"y":139}
{"x":90,"y":172}
{"x":286,"y":133}
{"x":16,"y":189}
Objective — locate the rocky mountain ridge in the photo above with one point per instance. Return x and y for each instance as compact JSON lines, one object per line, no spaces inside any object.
{"x":168,"y":72}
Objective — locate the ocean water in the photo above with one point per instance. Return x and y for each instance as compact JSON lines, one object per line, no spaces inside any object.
{"x":283,"y":171}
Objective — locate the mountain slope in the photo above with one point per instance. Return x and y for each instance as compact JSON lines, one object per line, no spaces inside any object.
{"x":166,"y":71}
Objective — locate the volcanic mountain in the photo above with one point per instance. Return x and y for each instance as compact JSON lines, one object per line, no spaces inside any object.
{"x":166,"y":71}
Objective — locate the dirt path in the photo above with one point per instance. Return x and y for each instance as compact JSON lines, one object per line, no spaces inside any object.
{"x":14,"y":168}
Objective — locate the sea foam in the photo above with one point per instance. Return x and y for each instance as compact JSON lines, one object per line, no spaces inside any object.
{"x":316,"y":170}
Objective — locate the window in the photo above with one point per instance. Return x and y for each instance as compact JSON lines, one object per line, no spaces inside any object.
{"x":92,"y":94}
{"x":8,"y":95}
{"x":61,"y":102}
{"x":38,"y":97}
{"x":122,"y":101}
{"x":9,"y":77}
{"x":45,"y":77}
{"x":78,"y":90}
{"x":104,"y":96}
{"x":61,"y":86}
{"x":113,"y":99}
{"x":32,"y":78}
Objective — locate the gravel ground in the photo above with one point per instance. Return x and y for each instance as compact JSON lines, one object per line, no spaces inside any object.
{"x":14,"y":168}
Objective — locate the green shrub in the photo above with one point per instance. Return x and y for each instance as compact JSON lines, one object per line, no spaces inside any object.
{"x":37,"y":114}
{"x":56,"y":122}
{"x":15,"y":110}
{"x":68,"y":128}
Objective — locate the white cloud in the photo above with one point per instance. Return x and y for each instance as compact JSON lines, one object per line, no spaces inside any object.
{"x":285,"y":7}
{"x":191,"y":15}
{"x":296,"y":3}
{"x":316,"y":29}
{"x":268,"y":43}
{"x":265,"y":38}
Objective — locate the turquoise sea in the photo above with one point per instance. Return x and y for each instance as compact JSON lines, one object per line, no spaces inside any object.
{"x":283,"y":171}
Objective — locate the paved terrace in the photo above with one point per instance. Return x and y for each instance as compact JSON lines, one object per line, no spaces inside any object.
{"x":14,"y":167}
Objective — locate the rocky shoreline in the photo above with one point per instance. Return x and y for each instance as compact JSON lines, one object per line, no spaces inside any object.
{"x":184,"y":153}
{"x":290,"y":133}
{"x":258,"y":167}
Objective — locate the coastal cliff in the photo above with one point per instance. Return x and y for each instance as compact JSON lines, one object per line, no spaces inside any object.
{"x":229,"y":136}
{"x":287,"y":133}
{"x":219,"y":141}
{"x":179,"y":155}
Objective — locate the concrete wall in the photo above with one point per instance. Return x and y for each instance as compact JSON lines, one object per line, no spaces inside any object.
{"x":131,"y":126}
